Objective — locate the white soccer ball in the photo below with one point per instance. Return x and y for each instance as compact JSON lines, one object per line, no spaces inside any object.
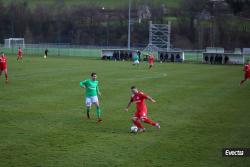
{"x":133,"y":129}
{"x":45,"y":56}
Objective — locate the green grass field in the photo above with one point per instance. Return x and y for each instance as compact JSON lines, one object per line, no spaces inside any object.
{"x":201,"y":109}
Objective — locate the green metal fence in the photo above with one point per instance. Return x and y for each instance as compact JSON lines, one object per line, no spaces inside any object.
{"x":87,"y":51}
{"x":56,"y":51}
{"x":247,"y":57}
{"x":194,"y":56}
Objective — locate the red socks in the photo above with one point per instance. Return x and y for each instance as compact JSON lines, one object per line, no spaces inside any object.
{"x":149,"y":121}
{"x":138,"y":124}
{"x":6,"y":77}
{"x":146,"y":120}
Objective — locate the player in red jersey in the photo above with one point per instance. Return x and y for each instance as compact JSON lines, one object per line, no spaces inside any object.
{"x":141,"y":109}
{"x":151,"y":60}
{"x":3,"y":66}
{"x":247,"y":72}
{"x":19,"y":53}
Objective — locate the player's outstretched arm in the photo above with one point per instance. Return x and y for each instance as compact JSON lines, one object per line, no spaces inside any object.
{"x":151,"y":99}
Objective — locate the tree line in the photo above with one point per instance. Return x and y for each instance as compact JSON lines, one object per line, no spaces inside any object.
{"x":196,"y":24}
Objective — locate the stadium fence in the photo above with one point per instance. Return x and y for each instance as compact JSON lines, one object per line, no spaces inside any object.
{"x":194,"y":56}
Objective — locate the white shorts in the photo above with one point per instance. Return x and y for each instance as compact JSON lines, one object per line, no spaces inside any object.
{"x":136,"y":62}
{"x":90,"y":100}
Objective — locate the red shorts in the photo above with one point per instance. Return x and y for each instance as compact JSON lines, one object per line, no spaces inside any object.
{"x":151,"y":62}
{"x":141,"y":114}
{"x":19,"y":55}
{"x":3,"y":67}
{"x":247,"y":75}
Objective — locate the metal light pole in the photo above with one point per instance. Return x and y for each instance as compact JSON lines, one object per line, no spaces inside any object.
{"x":212,"y":24}
{"x":107,"y":25}
{"x":129,"y":22}
{"x":107,"y":29}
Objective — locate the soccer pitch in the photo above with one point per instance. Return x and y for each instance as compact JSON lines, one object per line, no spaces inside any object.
{"x":201,"y":109}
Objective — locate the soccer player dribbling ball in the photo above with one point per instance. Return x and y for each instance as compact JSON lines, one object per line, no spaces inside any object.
{"x":19,"y":53}
{"x":3,"y":66}
{"x":92,"y":92}
{"x":247,"y":72}
{"x":139,"y":98}
{"x":151,"y":60}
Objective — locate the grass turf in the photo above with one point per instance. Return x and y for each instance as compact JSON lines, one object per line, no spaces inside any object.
{"x":201,"y":109}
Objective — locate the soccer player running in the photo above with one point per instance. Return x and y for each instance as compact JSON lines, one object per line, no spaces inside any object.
{"x":135,"y":59}
{"x":139,"y":98}
{"x":247,"y":72}
{"x":46,"y":53}
{"x":19,"y":53}
{"x":3,"y":66}
{"x":92,"y":92}
{"x":151,"y":60}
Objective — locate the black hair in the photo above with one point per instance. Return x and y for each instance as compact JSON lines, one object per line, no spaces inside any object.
{"x":133,"y":87}
{"x":92,"y":74}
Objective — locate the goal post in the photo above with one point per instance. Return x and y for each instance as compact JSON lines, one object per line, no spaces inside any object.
{"x":14,"y":43}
